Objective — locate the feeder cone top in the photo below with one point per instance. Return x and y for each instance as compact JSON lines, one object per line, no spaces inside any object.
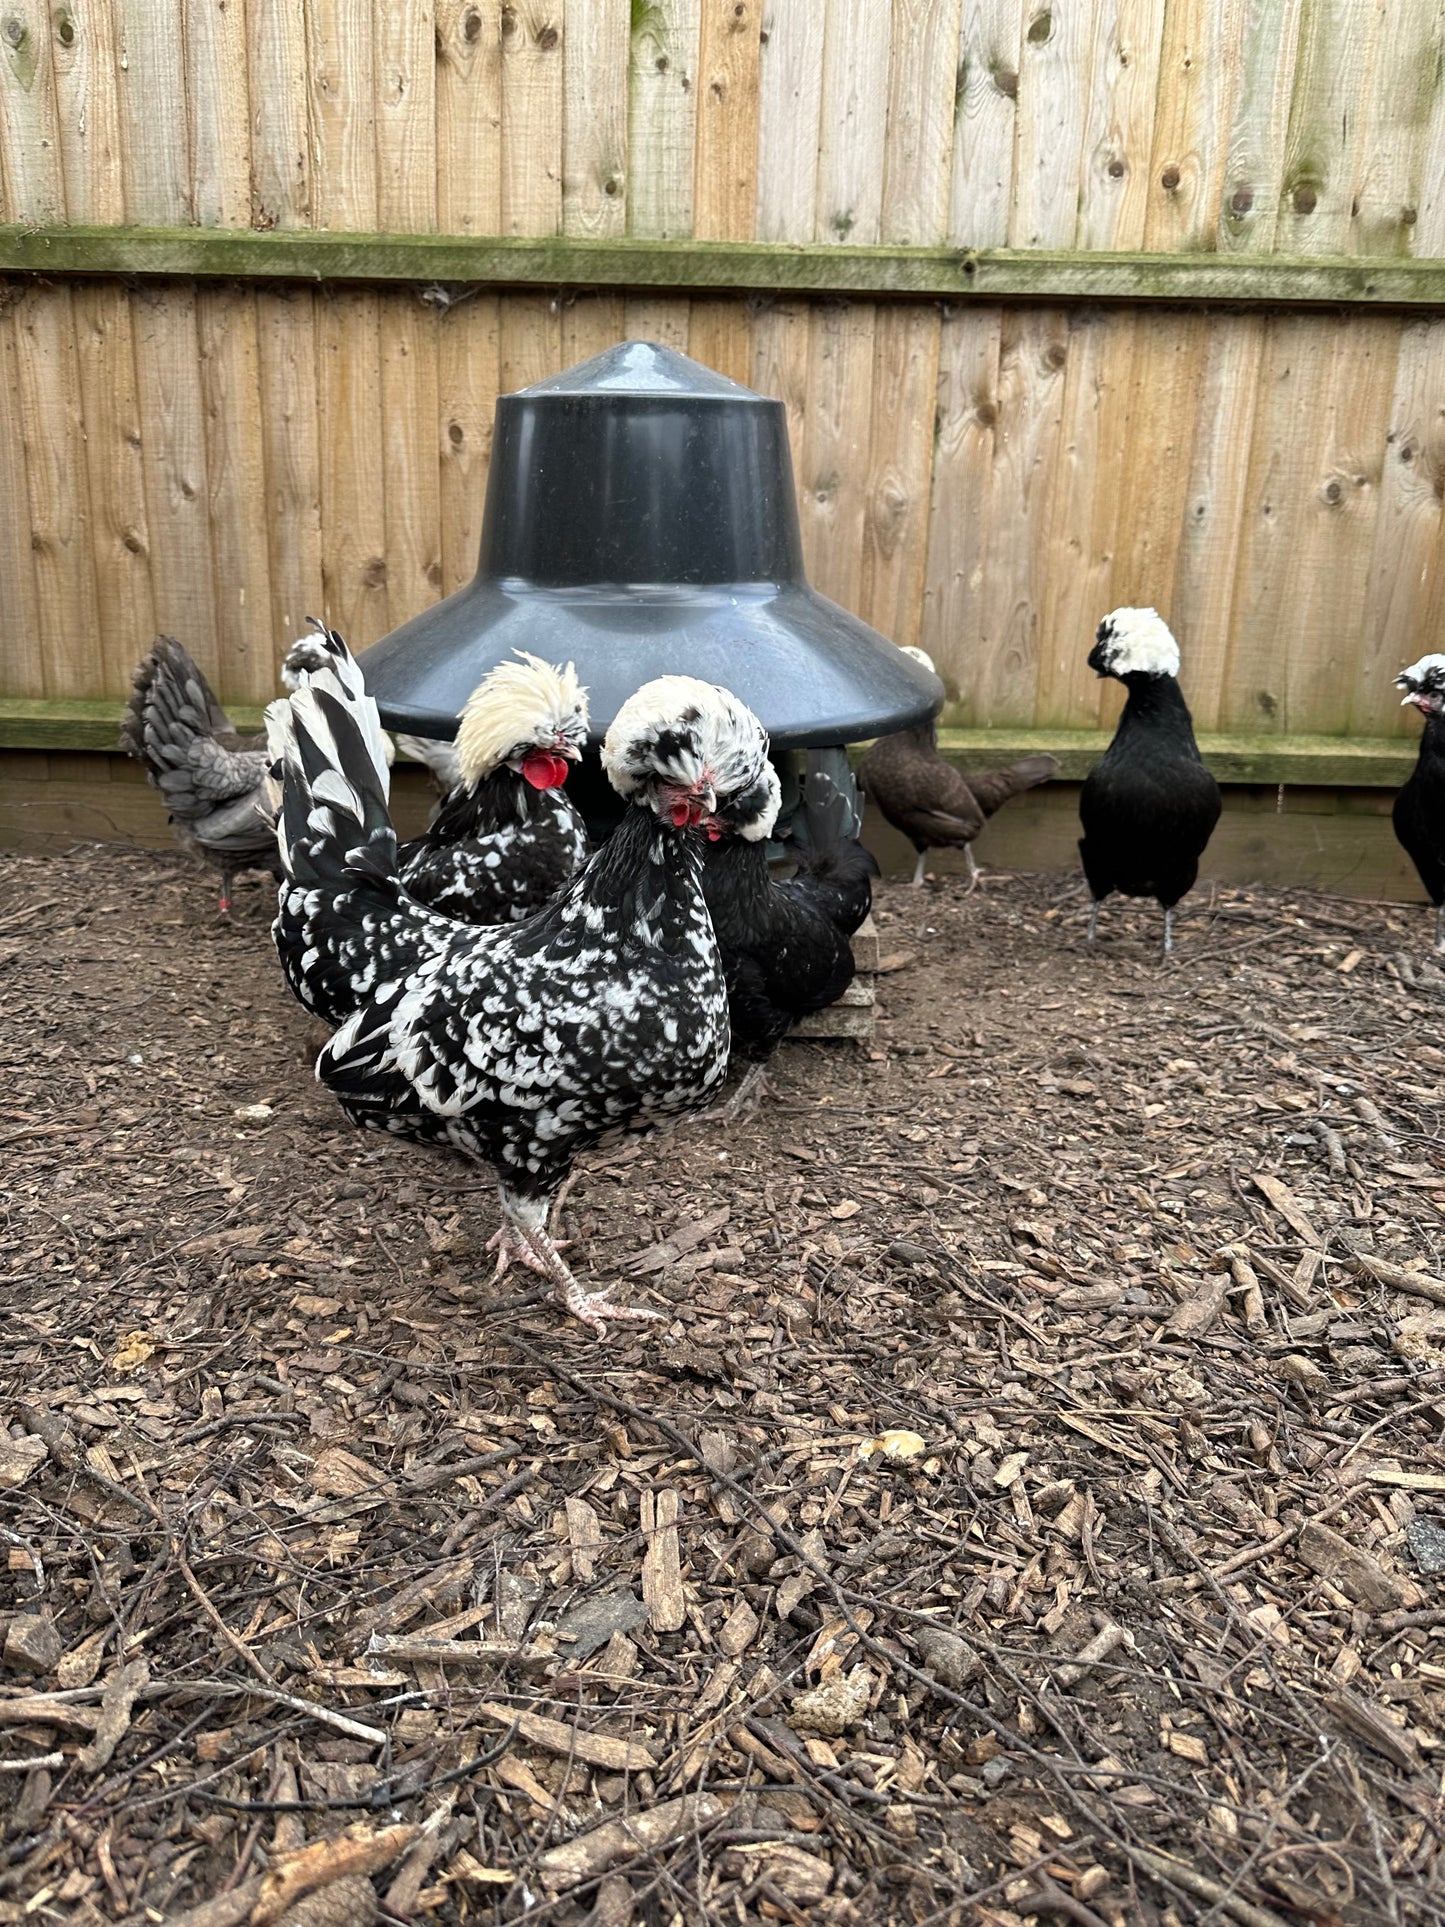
{"x":640,"y":521}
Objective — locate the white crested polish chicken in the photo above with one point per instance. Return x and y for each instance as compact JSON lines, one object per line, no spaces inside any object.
{"x":936,"y":806}
{"x":212,"y":779}
{"x":1149,"y":805}
{"x":520,"y":1044}
{"x":785,"y":947}
{"x":505,"y":837}
{"x":1420,"y":806}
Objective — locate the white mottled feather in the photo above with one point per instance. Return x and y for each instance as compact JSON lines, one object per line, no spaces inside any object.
{"x":1428,"y":674}
{"x":519,"y":705}
{"x":1138,"y":642}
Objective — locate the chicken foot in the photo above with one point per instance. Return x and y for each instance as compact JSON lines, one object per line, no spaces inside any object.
{"x":593,"y":1308}
{"x":744,"y":1102}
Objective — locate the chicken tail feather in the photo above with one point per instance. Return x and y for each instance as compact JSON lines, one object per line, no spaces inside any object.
{"x":992,"y":788}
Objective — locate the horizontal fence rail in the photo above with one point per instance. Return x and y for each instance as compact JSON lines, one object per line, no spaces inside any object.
{"x":719,"y":267}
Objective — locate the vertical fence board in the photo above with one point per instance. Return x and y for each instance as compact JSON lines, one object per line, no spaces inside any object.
{"x":218,"y":111}
{"x":1198,"y":76}
{"x":531,"y":340}
{"x":922,"y":88}
{"x":959,"y":511}
{"x":719,"y":336}
{"x":594,"y":141}
{"x":532,"y":84}
{"x":1210,"y":536}
{"x":1406,"y":576}
{"x":289,"y":378}
{"x":900,"y":466}
{"x":22,"y":660}
{"x":1054,"y":66}
{"x":1255,"y":165}
{"x":1396,"y":132}
{"x":832,"y":503}
{"x":88,"y":115}
{"x":590,"y":324}
{"x":469,"y":376}
{"x":406,"y":117}
{"x":725,"y":169}
{"x":985,"y":122}
{"x":1119,"y":124}
{"x":118,"y":537}
{"x":151,"y":73}
{"x":353,"y":471}
{"x":281,"y":125}
{"x":853,"y":127}
{"x":1168,"y":366}
{"x":409,"y":414}
{"x":469,"y":118}
{"x":661,"y":117}
{"x":31,"y":177}
{"x":1081,"y":514}
{"x":173,"y":459}
{"x":341,"y":70}
{"x":1328,"y":107}
{"x":236,"y":475}
{"x":658,"y":317}
{"x":790,"y":94}
{"x":1034,"y":352}
{"x":780,"y":369}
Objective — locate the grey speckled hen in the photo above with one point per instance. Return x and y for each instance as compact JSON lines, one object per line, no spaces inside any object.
{"x":520,"y":1044}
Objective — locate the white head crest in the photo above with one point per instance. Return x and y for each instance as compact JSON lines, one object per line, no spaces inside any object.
{"x":1132,"y":642}
{"x":1424,"y":685}
{"x":919,"y":655}
{"x":516,"y":707}
{"x":692,"y":748}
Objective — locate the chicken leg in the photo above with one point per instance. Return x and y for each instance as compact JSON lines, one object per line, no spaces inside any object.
{"x":524,"y":1235}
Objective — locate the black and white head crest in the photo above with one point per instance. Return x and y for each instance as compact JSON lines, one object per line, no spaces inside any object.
{"x":1134,"y":642}
{"x":919,"y":655}
{"x":679,"y":740}
{"x":1424,"y":685}
{"x":308,"y":654}
{"x":517,"y":707}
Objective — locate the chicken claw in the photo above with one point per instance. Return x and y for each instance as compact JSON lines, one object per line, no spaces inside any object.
{"x":593,"y":1308}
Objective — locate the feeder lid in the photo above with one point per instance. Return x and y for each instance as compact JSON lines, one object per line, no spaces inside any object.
{"x":640,"y":521}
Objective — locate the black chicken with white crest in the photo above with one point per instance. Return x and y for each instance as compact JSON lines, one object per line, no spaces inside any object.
{"x":505,"y":838}
{"x":785,"y":947}
{"x":520,"y":1044}
{"x":1149,"y":805}
{"x":1420,"y":806}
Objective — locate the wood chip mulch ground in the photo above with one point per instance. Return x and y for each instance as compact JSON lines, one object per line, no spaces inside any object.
{"x":1034,"y":1508}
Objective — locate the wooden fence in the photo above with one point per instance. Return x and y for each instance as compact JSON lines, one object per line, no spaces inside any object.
{"x":964,"y":240}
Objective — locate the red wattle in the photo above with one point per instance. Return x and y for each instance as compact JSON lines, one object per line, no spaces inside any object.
{"x":681,"y":814}
{"x":544,"y":771}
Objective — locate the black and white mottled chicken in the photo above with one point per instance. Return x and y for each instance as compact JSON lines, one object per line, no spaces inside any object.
{"x":505,"y":837}
{"x":520,"y":1044}
{"x":212,"y":779}
{"x":785,"y":947}
{"x":1149,"y":805}
{"x":936,"y":806}
{"x":1420,"y":806}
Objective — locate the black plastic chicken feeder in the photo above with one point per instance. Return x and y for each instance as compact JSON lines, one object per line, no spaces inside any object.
{"x":640,"y":521}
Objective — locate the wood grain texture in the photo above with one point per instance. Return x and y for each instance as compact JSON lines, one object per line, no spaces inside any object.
{"x":342,"y":76}
{"x":1119,"y":124}
{"x":852,"y":130}
{"x":1055,"y":62}
{"x":469,"y":118}
{"x":1398,"y":131}
{"x":218,"y":112}
{"x":87,"y":105}
{"x":900,"y":466}
{"x":46,"y":395}
{"x":353,"y":475}
{"x":22,"y":662}
{"x":790,"y":92}
{"x":1333,"y":84}
{"x":532,"y":93}
{"x":287,"y":402}
{"x":226,"y":322}
{"x":594,"y":140}
{"x":662,"y":117}
{"x":922,"y":89}
{"x":32,"y":186}
{"x":405,"y":118}
{"x":961,"y":501}
{"x":832,"y":503}
{"x":1259,"y":123}
{"x":469,"y":380}
{"x":281,"y":135}
{"x":151,"y":75}
{"x":411,"y":460}
{"x":725,"y":166}
{"x":1199,"y":74}
{"x":985,"y":122}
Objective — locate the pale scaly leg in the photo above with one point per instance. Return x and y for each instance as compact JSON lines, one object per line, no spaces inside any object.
{"x":1168,"y":932}
{"x":972,"y":870}
{"x":528,"y":1217}
{"x":1093,"y":920}
{"x":223,"y":907}
{"x":1440,"y":929}
{"x":918,"y":869}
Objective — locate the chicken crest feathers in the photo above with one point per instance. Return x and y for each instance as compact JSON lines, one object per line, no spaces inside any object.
{"x":680,"y":731}
{"x":1423,"y":678}
{"x":519,"y":705}
{"x":1135,"y":642}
